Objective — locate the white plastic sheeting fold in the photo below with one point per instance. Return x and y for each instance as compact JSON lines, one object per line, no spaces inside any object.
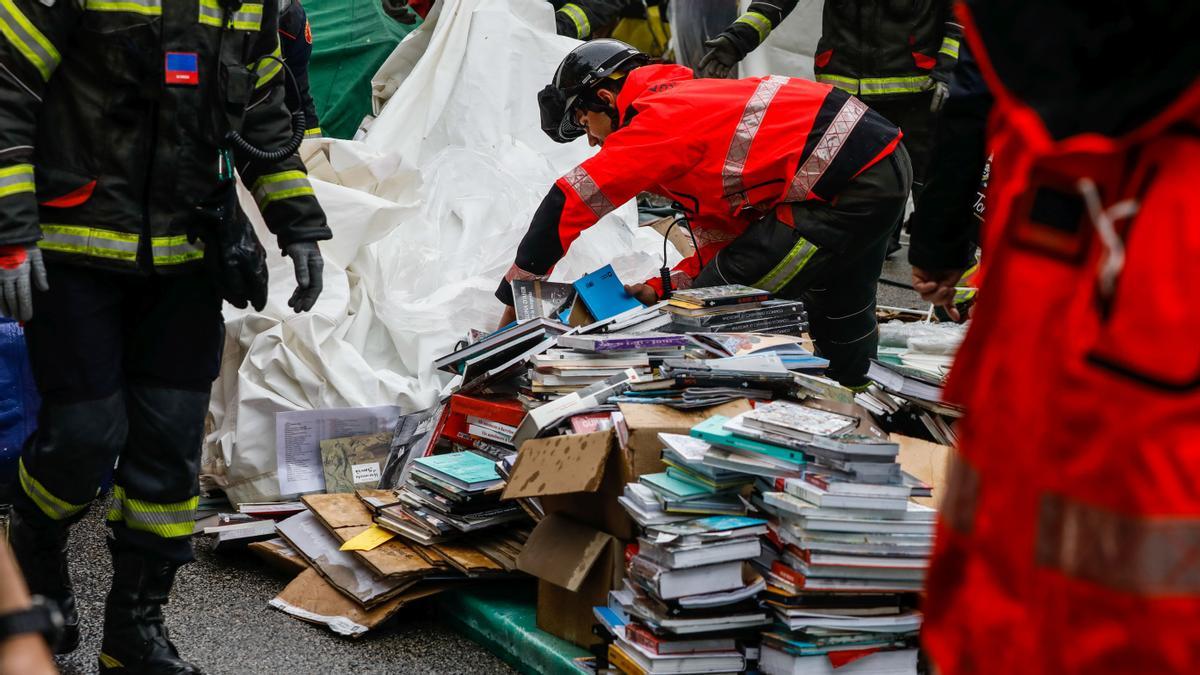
{"x":427,"y":210}
{"x":790,"y":48}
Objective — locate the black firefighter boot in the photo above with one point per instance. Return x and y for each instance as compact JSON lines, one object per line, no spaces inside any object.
{"x":40,"y":546}
{"x":135,"y":639}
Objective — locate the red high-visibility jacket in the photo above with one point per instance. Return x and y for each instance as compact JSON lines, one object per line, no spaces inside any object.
{"x":726,"y":150}
{"x":1070,"y":536}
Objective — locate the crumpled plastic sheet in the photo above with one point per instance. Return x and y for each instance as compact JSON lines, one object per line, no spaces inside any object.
{"x":922,"y":337}
{"x":427,"y":210}
{"x":790,"y":48}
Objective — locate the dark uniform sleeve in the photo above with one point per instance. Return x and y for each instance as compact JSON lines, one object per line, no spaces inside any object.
{"x":952,"y":32}
{"x":31,"y":37}
{"x":580,"y":19}
{"x":281,"y":189}
{"x":295,"y":40}
{"x":761,"y":17}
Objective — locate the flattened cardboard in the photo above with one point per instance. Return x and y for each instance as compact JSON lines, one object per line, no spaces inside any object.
{"x":309,"y":597}
{"x":562,"y":551}
{"x":559,"y":465}
{"x":646,"y":421}
{"x":279,"y":555}
{"x":394,"y":559}
{"x":338,"y":510}
{"x":927,"y":461}
{"x":468,"y":560}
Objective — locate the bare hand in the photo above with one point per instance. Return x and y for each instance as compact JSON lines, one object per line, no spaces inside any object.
{"x":509,"y":316}
{"x":645,"y":293}
{"x":937,"y":287}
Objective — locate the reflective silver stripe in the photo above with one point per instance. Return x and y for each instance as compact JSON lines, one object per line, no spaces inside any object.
{"x":283,"y":185}
{"x":681,"y":281}
{"x":1138,"y":553}
{"x":743,"y":137}
{"x":587,"y":189}
{"x":516,"y":273}
{"x":210,"y":13}
{"x":826,"y":150}
{"x":89,"y":241}
{"x":145,"y":7}
{"x":19,"y":31}
{"x":176,"y":252}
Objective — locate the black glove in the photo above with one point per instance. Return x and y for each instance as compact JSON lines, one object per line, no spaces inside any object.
{"x":235,"y":258}
{"x":941,"y":92}
{"x":728,"y":49}
{"x":306,"y":256}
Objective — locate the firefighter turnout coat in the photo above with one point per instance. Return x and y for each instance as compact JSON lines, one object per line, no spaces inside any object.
{"x":727,"y":151}
{"x":111,"y":116}
{"x":1073,"y":545}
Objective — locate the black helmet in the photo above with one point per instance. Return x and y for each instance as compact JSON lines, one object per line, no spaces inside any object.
{"x":586,"y":66}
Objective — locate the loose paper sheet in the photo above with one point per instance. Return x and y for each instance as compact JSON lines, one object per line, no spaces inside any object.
{"x":298,"y":436}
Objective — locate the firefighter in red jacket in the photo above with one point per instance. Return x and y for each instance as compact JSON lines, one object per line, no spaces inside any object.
{"x":1072,"y":547}
{"x":789,"y":185}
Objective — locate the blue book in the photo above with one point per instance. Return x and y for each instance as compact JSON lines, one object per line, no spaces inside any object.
{"x":604,"y":295}
{"x":713,"y":430}
{"x":464,"y":470}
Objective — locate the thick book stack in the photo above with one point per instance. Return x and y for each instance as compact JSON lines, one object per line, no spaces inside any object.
{"x":446,"y":496}
{"x":911,"y":398}
{"x":734,"y":309}
{"x":848,"y":549}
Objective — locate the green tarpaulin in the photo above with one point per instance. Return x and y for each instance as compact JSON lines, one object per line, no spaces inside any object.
{"x":351,"y":39}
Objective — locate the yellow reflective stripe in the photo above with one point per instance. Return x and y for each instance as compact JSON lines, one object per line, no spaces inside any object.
{"x":16,"y":179}
{"x":950,"y":47}
{"x":268,"y":67}
{"x":274,"y":187}
{"x":787,"y":269}
{"x":583,"y":27}
{"x":28,"y":40}
{"x":144,"y":7}
{"x":759,"y":22}
{"x":89,"y":241}
{"x":109,"y":662}
{"x":892,"y":85}
{"x":846,"y":83}
{"x":175,"y":250}
{"x":248,"y":17}
{"x":50,"y":505}
{"x":314,"y":132}
{"x":176,"y":519}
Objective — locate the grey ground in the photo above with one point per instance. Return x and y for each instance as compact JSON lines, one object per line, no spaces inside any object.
{"x":219,"y":616}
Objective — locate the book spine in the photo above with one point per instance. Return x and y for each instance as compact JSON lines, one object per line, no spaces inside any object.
{"x":642,"y":637}
{"x":743,"y":300}
{"x":780,"y":326}
{"x":509,"y":412}
{"x":788,"y":574}
{"x":623,"y":344}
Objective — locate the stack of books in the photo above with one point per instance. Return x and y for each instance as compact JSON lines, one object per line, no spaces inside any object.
{"x":734,"y":309}
{"x":448,"y":495}
{"x":563,"y":370}
{"x":848,"y":550}
{"x":901,"y":392}
{"x":689,"y":603}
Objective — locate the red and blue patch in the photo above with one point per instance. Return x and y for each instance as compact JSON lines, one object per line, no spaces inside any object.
{"x":183,"y":68}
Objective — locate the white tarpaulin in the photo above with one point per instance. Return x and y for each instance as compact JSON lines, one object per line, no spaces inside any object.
{"x":790,"y":48}
{"x":427,"y":210}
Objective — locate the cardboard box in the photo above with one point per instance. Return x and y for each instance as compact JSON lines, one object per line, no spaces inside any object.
{"x":577,"y":551}
{"x":576,"y":566}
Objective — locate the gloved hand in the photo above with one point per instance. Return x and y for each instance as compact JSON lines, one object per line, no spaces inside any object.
{"x":941,"y":92}
{"x":18,"y":263}
{"x":236,"y":260}
{"x":723,"y":54}
{"x":306,"y":256}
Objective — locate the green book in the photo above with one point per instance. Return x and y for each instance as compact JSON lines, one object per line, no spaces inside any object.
{"x":464,"y":470}
{"x":672,"y":488}
{"x":713,"y":430}
{"x":680,"y":472}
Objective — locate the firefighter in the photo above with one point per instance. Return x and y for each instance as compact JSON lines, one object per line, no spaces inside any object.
{"x":789,"y":185}
{"x":641,"y":23}
{"x":295,"y":42}
{"x":121,"y":127}
{"x":1071,"y":547}
{"x":898,"y":57}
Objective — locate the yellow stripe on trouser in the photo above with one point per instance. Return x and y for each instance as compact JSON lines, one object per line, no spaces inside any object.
{"x":583,"y":27}
{"x":16,"y":179}
{"x":788,"y":268}
{"x":20,"y":32}
{"x":267,"y":67}
{"x":759,"y":22}
{"x":50,"y":505}
{"x":144,"y":7}
{"x":283,"y":185}
{"x":165,"y":520}
{"x":100,"y":243}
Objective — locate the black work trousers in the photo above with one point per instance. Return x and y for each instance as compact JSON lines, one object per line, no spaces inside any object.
{"x":124,"y":364}
{"x":830,"y":258}
{"x":911,"y":113}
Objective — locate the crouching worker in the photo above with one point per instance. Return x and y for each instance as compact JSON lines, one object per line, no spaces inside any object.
{"x":789,"y":185}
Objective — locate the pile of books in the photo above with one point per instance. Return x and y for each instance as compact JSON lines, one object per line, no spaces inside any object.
{"x":734,"y":309}
{"x":849,"y":550}
{"x":446,"y":496}
{"x":911,"y":397}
